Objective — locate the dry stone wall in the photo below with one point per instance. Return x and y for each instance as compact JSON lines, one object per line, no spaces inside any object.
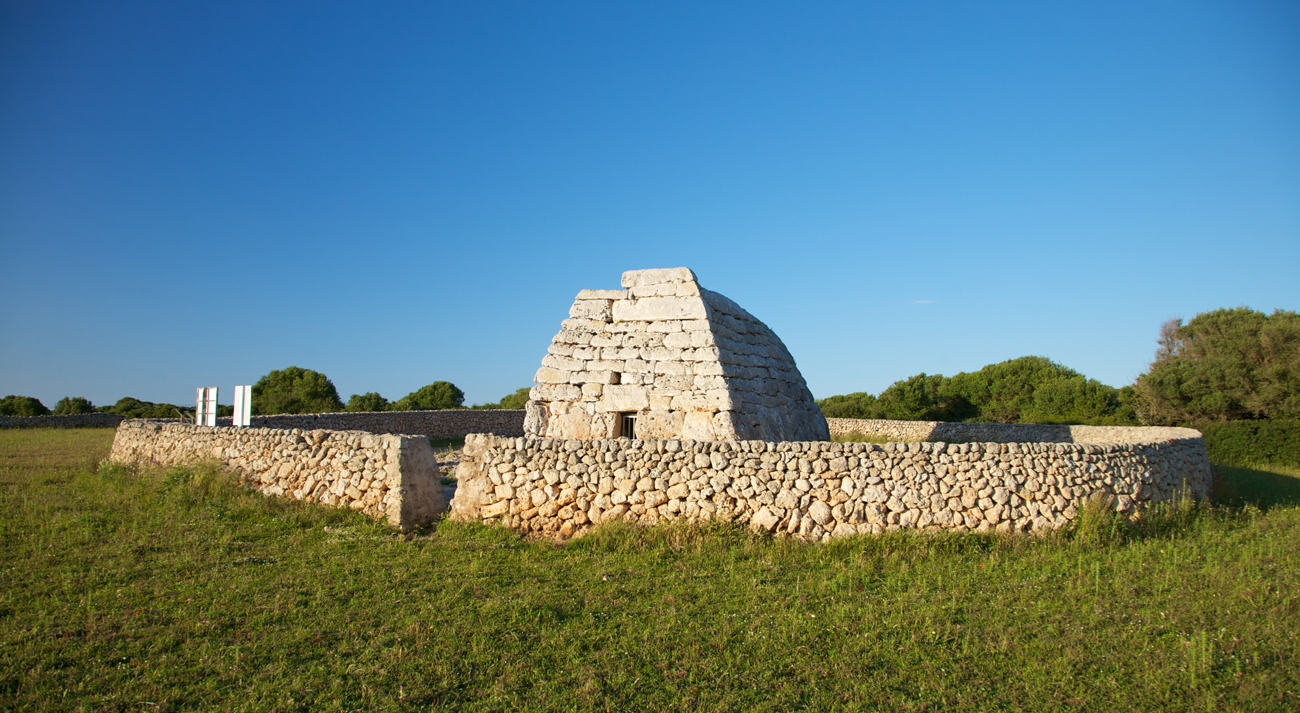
{"x":389,"y":477}
{"x":438,"y":425}
{"x":76,"y":420}
{"x":818,"y":490}
{"x":684,"y":361}
{"x":949,"y":432}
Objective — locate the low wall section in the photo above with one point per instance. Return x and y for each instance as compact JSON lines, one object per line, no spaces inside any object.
{"x":77,"y":420}
{"x":389,"y":477}
{"x":816,"y":490}
{"x":438,"y":425}
{"x":910,"y":431}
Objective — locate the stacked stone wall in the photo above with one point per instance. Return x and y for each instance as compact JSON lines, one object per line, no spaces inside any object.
{"x":390,"y":477}
{"x":75,"y":420}
{"x":959,"y":432}
{"x":439,"y":425}
{"x":817,"y":490}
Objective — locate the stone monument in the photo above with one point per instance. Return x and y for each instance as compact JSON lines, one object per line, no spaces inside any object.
{"x":664,"y":358}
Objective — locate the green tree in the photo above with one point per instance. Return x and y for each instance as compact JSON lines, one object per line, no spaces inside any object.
{"x":1224,"y":365}
{"x":517,"y":400}
{"x":923,"y":397}
{"x":22,"y":406}
{"x":135,"y":408}
{"x":73,"y":404}
{"x":1024,"y":390}
{"x":295,"y":390}
{"x":1072,"y":400}
{"x":1002,"y":392}
{"x":856,"y":405}
{"x":435,"y":396}
{"x":369,"y":401}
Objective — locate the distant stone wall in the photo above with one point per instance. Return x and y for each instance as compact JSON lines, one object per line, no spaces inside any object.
{"x":390,"y":477}
{"x":438,"y":425}
{"x":816,"y":490}
{"x":78,"y":420}
{"x":909,"y":431}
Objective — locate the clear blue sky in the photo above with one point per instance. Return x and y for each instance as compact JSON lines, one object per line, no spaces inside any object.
{"x":197,"y":193}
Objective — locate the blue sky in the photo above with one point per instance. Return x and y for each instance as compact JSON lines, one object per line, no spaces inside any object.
{"x":195,"y":194}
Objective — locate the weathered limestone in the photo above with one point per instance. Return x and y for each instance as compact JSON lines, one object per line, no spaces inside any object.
{"x":686,"y":362}
{"x":389,"y":477}
{"x":560,"y":488}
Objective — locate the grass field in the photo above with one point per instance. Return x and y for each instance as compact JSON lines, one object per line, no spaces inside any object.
{"x":174,"y":590}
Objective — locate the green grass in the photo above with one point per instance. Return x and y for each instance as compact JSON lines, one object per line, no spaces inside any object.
{"x":174,"y":590}
{"x":860,"y":438}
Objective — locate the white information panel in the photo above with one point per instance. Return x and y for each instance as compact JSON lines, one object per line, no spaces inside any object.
{"x":205,"y":406}
{"x":243,"y":406}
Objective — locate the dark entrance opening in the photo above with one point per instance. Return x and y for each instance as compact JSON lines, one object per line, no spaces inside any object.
{"x":627,"y":425}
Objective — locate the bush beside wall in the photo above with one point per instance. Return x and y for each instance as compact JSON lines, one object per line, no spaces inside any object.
{"x":1253,"y":442}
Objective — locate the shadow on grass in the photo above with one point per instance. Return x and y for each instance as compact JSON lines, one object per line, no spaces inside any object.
{"x":1262,"y":486}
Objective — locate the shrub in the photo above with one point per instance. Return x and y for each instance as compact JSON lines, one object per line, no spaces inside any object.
{"x":1247,"y":443}
{"x":73,"y":404}
{"x":517,"y":400}
{"x":1025,"y":390}
{"x":1006,"y":392}
{"x":22,"y":406}
{"x":1225,"y":365}
{"x":369,"y":401}
{"x":855,"y":405}
{"x":436,"y":396}
{"x":135,"y":408}
{"x":295,"y":390}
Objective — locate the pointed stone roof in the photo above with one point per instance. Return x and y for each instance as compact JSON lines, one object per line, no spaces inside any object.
{"x":682,"y":361}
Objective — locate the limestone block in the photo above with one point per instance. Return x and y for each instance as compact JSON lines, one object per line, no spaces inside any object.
{"x":765,"y":520}
{"x":563,"y":363}
{"x":591,"y":309}
{"x":658,"y":308}
{"x":602,"y":295}
{"x":659,"y":424}
{"x":620,"y":397}
{"x":698,"y":426}
{"x":638,"y":278}
{"x":555,"y":392}
{"x":666,"y":289}
{"x":594,"y":377}
{"x":551,"y":375}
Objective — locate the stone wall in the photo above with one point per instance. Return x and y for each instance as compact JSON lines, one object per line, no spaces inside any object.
{"x":816,"y":490}
{"x":76,"y":420}
{"x":682,"y":361}
{"x":438,"y":425}
{"x":909,"y":431}
{"x":389,"y":477}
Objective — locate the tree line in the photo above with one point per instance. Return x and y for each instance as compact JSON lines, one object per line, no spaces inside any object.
{"x":1225,"y":365}
{"x":283,"y":391}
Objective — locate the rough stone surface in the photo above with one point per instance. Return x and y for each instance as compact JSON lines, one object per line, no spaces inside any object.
{"x":688,"y":362}
{"x":77,"y":420}
{"x":390,"y":477}
{"x":560,"y":488}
